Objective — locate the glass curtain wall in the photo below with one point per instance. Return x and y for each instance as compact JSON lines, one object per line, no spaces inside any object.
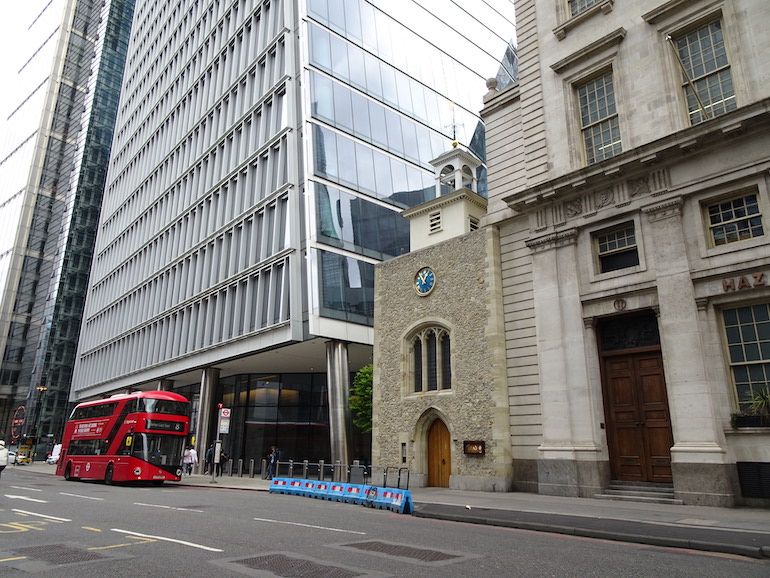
{"x":55,"y":238}
{"x":387,"y":94}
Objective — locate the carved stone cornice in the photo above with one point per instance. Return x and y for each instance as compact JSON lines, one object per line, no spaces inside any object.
{"x":553,"y":241}
{"x":603,"y":6}
{"x":610,"y":40}
{"x":661,"y":153}
{"x":670,"y":208}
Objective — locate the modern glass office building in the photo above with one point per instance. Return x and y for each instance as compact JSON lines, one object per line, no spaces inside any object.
{"x":59,"y":108}
{"x":264,"y":150}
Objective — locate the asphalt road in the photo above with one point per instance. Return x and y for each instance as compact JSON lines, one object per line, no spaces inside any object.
{"x":48,"y":525}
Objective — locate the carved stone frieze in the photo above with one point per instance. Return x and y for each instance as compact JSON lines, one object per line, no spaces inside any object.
{"x":665,"y":210}
{"x":553,"y":241}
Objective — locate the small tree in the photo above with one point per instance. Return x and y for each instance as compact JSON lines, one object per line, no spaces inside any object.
{"x":361,"y":398}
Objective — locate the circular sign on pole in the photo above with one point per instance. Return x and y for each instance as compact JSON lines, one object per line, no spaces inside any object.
{"x":224,"y":412}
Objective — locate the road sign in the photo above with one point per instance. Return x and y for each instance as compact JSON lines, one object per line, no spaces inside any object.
{"x":224,"y":412}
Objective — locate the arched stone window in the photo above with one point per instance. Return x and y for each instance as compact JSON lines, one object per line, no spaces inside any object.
{"x":431,"y":360}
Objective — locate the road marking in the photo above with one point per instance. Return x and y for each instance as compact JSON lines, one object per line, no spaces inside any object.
{"x":79,"y":496}
{"x":164,"y":539}
{"x":310,"y":526}
{"x":13,"y":559}
{"x":26,"y":499}
{"x":140,"y":541}
{"x":41,"y":515}
{"x":16,"y":527}
{"x":167,"y":507}
{"x":25,"y":488}
{"x":90,"y":528}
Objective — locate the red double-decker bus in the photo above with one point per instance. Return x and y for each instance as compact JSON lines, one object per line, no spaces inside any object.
{"x":126,"y":438}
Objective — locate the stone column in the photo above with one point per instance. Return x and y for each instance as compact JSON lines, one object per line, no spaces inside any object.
{"x":698,"y":457}
{"x":207,"y":413}
{"x":568,"y":465}
{"x":166,"y":385}
{"x":338,"y":384}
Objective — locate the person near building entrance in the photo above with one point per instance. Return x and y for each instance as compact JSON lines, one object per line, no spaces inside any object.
{"x":275,"y":456}
{"x":190,"y":460}
{"x":209,"y":458}
{"x":3,"y":456}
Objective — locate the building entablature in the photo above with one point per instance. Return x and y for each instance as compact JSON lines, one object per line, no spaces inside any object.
{"x":639,"y":173}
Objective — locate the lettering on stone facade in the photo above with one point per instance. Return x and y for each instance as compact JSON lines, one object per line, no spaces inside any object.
{"x":749,"y":281}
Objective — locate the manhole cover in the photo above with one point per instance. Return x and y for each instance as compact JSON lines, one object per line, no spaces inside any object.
{"x":58,"y":554}
{"x":289,"y":567}
{"x":402,"y":551}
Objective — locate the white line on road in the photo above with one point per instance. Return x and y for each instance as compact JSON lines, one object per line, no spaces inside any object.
{"x":167,"y":507}
{"x":28,"y":489}
{"x":182,"y":542}
{"x":79,"y":496}
{"x":310,"y":526}
{"x":41,"y":515}
{"x":26,"y":499}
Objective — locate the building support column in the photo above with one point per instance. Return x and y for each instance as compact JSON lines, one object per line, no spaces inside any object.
{"x":698,"y":458}
{"x":206,"y":413}
{"x":166,"y":385}
{"x":570,"y":461}
{"x":338,"y":384}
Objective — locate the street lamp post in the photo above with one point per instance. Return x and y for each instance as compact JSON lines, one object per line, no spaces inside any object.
{"x":41,"y":389}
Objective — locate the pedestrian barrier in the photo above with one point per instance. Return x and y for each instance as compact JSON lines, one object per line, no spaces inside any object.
{"x":393,"y":499}
{"x":354,"y":494}
{"x":336,"y":492}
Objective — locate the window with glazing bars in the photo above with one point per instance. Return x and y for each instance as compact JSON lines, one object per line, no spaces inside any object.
{"x":747,"y":332}
{"x":599,"y":119}
{"x":578,"y":6}
{"x":735,"y":220}
{"x":617,"y":248}
{"x":431,"y":360}
{"x":707,"y":79}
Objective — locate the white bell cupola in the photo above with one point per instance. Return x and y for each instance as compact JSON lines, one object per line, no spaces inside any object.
{"x":457,"y":208}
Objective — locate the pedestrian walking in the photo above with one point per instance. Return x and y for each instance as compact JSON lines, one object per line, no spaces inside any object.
{"x":275,"y":456}
{"x":3,"y":456}
{"x":189,"y":460}
{"x":209,"y":459}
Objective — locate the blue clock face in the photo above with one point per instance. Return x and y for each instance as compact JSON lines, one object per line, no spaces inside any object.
{"x":424,"y":281}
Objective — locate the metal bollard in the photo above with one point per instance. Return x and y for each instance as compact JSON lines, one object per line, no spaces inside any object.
{"x":251,"y":468}
{"x":240,"y":467}
{"x":264,"y":469}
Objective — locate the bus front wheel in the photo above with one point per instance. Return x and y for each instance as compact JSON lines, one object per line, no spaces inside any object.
{"x":68,"y":472}
{"x":108,"y":474}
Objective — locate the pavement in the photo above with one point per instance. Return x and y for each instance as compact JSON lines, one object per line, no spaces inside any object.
{"x":740,"y":531}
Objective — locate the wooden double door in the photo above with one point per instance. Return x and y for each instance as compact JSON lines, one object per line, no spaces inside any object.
{"x":638,"y":423}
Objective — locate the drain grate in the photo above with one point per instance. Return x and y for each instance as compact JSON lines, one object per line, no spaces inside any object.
{"x":421,"y":554}
{"x":58,"y":554}
{"x":289,"y":567}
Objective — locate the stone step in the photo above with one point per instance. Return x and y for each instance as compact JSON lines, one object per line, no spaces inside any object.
{"x":645,"y":499}
{"x":641,"y":492}
{"x":646,"y":489}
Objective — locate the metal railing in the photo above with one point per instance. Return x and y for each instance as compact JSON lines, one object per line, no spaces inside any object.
{"x":355,"y":473}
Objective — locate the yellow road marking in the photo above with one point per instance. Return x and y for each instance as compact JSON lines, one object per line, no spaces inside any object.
{"x":20,"y":527}
{"x":12,"y":559}
{"x":138,"y":540}
{"x":92,"y":529}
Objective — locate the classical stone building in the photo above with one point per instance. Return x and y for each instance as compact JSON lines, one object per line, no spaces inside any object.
{"x":628,"y":191}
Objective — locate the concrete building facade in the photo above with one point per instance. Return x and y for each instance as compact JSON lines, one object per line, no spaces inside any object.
{"x":264,"y":152}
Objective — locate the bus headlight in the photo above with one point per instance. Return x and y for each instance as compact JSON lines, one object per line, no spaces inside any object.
{"x":137,"y":471}
{"x":179,"y":472}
